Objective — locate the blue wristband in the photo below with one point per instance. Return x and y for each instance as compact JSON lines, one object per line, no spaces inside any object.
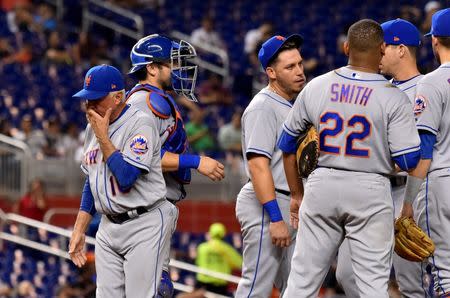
{"x":273,"y":210}
{"x":188,"y":161}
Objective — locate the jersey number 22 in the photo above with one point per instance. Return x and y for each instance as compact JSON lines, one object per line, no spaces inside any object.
{"x":357,"y":128}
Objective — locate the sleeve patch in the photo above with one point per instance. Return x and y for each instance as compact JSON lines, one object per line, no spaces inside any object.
{"x":139,"y":145}
{"x":420,"y":103}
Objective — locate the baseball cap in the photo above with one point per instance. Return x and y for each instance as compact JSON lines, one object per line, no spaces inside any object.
{"x":271,"y":47}
{"x":400,"y":31}
{"x":99,"y":81}
{"x":440,"y":23}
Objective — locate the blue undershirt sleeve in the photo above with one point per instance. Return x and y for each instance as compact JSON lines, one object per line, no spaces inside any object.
{"x":427,"y":141}
{"x":87,"y":199}
{"x":407,"y":161}
{"x":125,"y":173}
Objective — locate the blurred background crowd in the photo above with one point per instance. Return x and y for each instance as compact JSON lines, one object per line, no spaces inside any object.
{"x":45,"y":50}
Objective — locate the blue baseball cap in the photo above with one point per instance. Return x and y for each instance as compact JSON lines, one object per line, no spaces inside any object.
{"x":271,"y":47}
{"x":99,"y":81}
{"x":440,"y":23}
{"x":400,"y":31}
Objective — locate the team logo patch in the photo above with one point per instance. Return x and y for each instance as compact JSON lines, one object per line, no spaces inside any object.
{"x":420,"y":104}
{"x":139,"y":145}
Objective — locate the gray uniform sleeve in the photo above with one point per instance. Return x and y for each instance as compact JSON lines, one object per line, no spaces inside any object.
{"x":297,"y":120}
{"x":87,"y":138}
{"x":260,"y":132}
{"x":140,"y":145}
{"x":428,"y":107}
{"x":402,"y":133}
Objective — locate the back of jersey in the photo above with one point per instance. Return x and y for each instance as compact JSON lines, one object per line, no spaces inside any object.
{"x":432,"y":109}
{"x":363,"y":120}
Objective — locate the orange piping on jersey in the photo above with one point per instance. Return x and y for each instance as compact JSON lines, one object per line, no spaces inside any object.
{"x":370,"y":133}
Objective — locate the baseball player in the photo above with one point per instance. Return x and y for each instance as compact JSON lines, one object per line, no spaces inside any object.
{"x":161,"y":65}
{"x":125,"y":184}
{"x":364,"y":124}
{"x":429,"y":183}
{"x":399,"y":61}
{"x":262,"y":206}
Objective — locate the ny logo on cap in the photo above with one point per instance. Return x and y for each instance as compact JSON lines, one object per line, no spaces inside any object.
{"x":396,"y":38}
{"x":279,"y":37}
{"x":113,"y":86}
{"x":87,"y":82}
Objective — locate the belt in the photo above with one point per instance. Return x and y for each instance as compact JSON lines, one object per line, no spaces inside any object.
{"x":284,"y":192}
{"x":398,"y":181}
{"x":123,"y":217}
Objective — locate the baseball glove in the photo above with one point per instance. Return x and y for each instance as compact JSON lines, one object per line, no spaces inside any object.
{"x":308,"y":152}
{"x":411,"y":242}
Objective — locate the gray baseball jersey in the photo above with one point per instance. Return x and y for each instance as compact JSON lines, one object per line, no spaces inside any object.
{"x":134,"y":134}
{"x":139,"y":100}
{"x":121,"y":247}
{"x":363,"y":121}
{"x":264,"y":264}
{"x":261,"y":126}
{"x":409,"y":275}
{"x":432,"y":107}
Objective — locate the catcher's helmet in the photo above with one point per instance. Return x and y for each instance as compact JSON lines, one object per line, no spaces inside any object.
{"x":158,"y":48}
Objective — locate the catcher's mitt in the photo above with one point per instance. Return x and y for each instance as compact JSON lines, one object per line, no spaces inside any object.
{"x":411,"y":243}
{"x":308,"y":152}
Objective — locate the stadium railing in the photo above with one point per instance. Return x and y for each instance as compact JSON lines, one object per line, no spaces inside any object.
{"x":15,"y":157}
{"x":91,"y":16}
{"x":222,"y":70}
{"x":12,"y":217}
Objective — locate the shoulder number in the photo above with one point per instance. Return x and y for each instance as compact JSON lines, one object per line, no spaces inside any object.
{"x":358,"y":128}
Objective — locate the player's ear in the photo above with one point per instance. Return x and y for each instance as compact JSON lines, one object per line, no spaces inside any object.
{"x":152,"y":69}
{"x":402,"y":50}
{"x":383,"y":48}
{"x":271,"y":73}
{"x":346,"y":48}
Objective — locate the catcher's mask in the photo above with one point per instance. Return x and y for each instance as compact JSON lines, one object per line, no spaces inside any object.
{"x":158,"y":48}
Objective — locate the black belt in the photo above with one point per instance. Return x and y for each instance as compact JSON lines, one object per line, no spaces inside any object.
{"x":398,"y":181}
{"x":284,"y":192}
{"x":123,"y":217}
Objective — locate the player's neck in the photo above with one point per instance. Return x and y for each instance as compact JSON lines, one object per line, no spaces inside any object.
{"x":151,"y":82}
{"x":275,"y":88}
{"x":444,"y":55}
{"x":406,"y":72}
{"x":364,"y":68}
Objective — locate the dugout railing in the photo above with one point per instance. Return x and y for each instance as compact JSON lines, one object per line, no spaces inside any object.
{"x":6,"y":218}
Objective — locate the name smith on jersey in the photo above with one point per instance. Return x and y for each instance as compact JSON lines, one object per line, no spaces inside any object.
{"x":349,"y":93}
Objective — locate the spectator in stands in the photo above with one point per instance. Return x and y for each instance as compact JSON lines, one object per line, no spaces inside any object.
{"x":70,"y":142}
{"x":25,"y":289}
{"x":229,"y":138}
{"x":56,"y":52}
{"x":198,"y":132}
{"x":205,"y":35}
{"x":44,"y":19}
{"x":54,"y":146}
{"x":255,"y":37}
{"x":212,"y":91}
{"x":83,"y":50}
{"x":6,"y":50}
{"x":230,"y":135}
{"x":430,"y":8}
{"x":5,"y":127}
{"x":20,"y":18}
{"x":33,"y":204}
{"x":216,"y":255}
{"x":34,"y":138}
